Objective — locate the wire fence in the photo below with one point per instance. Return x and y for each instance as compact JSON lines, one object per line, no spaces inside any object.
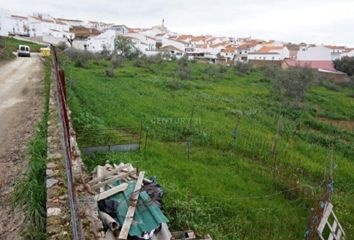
{"x":65,"y":132}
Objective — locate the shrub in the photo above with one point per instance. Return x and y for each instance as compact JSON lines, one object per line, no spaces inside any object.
{"x":6,"y":54}
{"x":105,"y":52}
{"x":156,"y":59}
{"x":174,"y":84}
{"x":330,"y":85}
{"x":109,"y":72}
{"x":61,"y":46}
{"x":345,"y":64}
{"x":80,"y":63}
{"x":141,"y":61}
{"x":293,"y":83}
{"x":117,"y":61}
{"x":243,"y":68}
{"x":213,"y":72}
{"x":80,"y":57}
{"x":269,"y":71}
{"x":184,"y":70}
{"x":351,"y":85}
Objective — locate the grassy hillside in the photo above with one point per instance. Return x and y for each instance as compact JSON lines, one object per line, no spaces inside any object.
{"x":5,"y":51}
{"x":12,"y":44}
{"x":209,"y":142}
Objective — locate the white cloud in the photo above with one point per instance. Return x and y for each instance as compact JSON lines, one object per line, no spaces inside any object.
{"x":317,"y":21}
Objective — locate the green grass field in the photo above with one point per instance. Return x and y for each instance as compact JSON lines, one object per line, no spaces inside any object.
{"x":209,"y":142}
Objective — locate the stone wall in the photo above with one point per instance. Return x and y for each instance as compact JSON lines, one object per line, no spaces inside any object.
{"x":58,"y":210}
{"x":58,"y":213}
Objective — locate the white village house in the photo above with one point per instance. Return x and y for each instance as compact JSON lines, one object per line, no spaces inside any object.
{"x":4,"y":27}
{"x":317,"y":53}
{"x":11,"y":24}
{"x":104,"y":41}
{"x":41,"y":26}
{"x":271,"y":53}
{"x":243,"y":51}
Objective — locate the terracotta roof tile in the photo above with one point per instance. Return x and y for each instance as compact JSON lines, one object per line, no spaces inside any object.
{"x":325,"y":65}
{"x":43,"y":20}
{"x":17,"y":16}
{"x":68,"y":20}
{"x":229,"y":49}
{"x":269,"y":49}
{"x":170,"y":48}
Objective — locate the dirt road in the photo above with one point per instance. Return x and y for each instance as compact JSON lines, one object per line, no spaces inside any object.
{"x":20,"y":109}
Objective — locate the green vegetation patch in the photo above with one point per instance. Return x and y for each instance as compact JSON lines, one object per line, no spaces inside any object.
{"x":30,"y":192}
{"x":12,"y":44}
{"x":207,"y":134}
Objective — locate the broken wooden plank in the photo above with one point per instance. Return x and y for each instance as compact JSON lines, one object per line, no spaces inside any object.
{"x":339,"y":234}
{"x":207,"y":237}
{"x":132,"y":206}
{"x":119,"y":165}
{"x":327,"y":212}
{"x":103,"y":176}
{"x":108,"y":167}
{"x":339,"y":225}
{"x":186,"y":235}
{"x":100,"y":173}
{"x":114,"y":178}
{"x":111,"y":192}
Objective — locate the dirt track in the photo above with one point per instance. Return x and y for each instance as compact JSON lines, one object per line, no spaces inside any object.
{"x":20,"y":109}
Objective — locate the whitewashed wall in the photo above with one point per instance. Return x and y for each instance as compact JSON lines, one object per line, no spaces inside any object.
{"x":318,"y":53}
{"x":265,"y":57}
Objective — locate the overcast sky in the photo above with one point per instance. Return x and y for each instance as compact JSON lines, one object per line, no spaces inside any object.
{"x":311,"y":21}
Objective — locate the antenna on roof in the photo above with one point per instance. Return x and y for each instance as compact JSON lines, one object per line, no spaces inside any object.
{"x":163,"y":22}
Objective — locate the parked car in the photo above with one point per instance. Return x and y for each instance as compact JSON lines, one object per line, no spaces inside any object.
{"x":23,"y":51}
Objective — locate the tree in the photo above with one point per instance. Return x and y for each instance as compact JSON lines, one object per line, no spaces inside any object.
{"x":70,"y":38}
{"x":184,"y":70}
{"x":345,"y":64}
{"x":125,"y":48}
{"x":293,"y":83}
{"x":105,"y":52}
{"x":214,"y":72}
{"x":243,"y":68}
{"x":269,"y":70}
{"x":61,"y":46}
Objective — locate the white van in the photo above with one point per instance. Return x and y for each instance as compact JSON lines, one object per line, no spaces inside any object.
{"x":23,"y":51}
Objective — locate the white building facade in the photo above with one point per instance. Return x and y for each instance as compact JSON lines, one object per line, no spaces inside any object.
{"x":13,"y":24}
{"x":318,"y":53}
{"x":273,"y":54}
{"x":4,"y":22}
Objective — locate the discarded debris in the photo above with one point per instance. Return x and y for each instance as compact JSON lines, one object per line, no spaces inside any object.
{"x":124,"y":204}
{"x":130,"y":206}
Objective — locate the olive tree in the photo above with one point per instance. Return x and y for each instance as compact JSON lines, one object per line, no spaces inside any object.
{"x":293,"y":83}
{"x":125,"y":48}
{"x":345,"y":64}
{"x":184,"y":70}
